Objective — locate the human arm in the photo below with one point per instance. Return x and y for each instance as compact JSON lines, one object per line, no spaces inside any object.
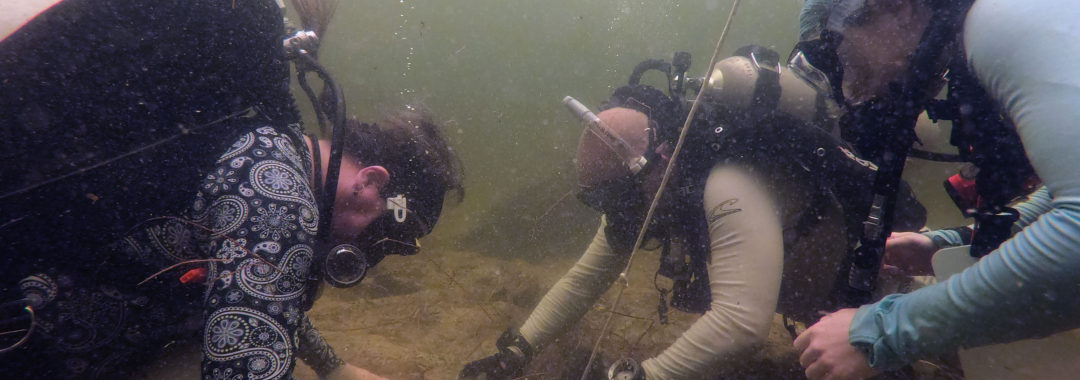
{"x":745,"y":269}
{"x":317,"y":353}
{"x":563,"y":305}
{"x":1036,"y":204}
{"x":1027,"y":287}
{"x":262,"y":215}
{"x":14,"y":14}
{"x":911,"y":251}
{"x":572,"y":296}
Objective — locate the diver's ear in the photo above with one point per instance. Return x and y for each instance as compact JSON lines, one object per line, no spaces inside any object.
{"x":665,"y":150}
{"x":374,"y":175}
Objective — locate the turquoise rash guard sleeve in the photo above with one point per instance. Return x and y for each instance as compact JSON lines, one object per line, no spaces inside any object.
{"x":1025,"y":53}
{"x":1036,"y":204}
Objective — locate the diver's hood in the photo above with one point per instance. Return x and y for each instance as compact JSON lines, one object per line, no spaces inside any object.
{"x":660,"y":108}
{"x":818,"y":16}
{"x":424,"y":196}
{"x":822,"y":26}
{"x":415,"y":196}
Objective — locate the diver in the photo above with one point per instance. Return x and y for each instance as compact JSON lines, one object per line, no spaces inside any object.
{"x":1018,"y":55}
{"x":760,"y":222}
{"x":158,"y":188}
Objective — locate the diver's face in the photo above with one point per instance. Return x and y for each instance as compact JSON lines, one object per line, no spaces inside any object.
{"x":877,"y":51}
{"x":359,"y":200}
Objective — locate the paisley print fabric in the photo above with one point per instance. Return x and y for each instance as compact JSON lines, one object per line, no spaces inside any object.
{"x":252,"y":225}
{"x":254,"y":339}
{"x":263,"y":217}
{"x":314,"y":350}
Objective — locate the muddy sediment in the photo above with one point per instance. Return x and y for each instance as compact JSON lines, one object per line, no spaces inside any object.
{"x":456,"y":303}
{"x":426,"y":316}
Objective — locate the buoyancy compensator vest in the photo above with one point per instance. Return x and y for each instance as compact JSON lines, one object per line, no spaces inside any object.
{"x":113,"y":114}
{"x":785,"y":147}
{"x":987,"y":140}
{"x":882,"y":130}
{"x":753,"y":132}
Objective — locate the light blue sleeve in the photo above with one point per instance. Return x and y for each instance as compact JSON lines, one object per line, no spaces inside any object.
{"x":1036,"y":204}
{"x":1025,"y":52}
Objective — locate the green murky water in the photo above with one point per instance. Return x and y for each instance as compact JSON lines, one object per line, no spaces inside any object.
{"x":494,"y":72}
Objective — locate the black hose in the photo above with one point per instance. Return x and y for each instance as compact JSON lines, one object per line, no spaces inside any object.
{"x":646,"y":65}
{"x":337,"y":141}
{"x":301,"y":77}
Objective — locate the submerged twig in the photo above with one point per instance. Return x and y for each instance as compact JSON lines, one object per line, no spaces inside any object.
{"x":631,"y":316}
{"x":13,"y":331}
{"x":12,"y":221}
{"x":455,"y":283}
{"x":663,"y":183}
{"x":211,"y":231}
{"x":540,"y":219}
{"x":643,"y":333}
{"x":477,"y":346}
{"x":29,"y":331}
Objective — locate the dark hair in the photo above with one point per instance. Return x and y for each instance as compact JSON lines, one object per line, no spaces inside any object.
{"x":416,"y":138}
{"x":412,"y":147}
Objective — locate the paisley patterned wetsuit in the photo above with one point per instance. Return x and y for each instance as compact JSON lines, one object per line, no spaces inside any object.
{"x":263,"y":217}
{"x":129,"y":91}
{"x":255,"y":218}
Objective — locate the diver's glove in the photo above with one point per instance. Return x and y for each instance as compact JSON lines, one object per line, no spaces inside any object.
{"x":626,"y":369}
{"x":514,"y":353}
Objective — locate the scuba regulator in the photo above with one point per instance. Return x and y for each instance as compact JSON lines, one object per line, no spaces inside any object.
{"x":412,"y":210}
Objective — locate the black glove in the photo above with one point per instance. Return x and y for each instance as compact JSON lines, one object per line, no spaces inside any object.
{"x":493,"y":367}
{"x":514,"y":353}
{"x":626,"y":369}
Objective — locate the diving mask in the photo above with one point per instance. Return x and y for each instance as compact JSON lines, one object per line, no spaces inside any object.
{"x":817,"y":63}
{"x":633,"y":162}
{"x":397,"y":232}
{"x":815,"y":59}
{"x":621,"y":193}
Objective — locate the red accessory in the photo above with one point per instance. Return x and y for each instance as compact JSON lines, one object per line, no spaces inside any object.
{"x":196,"y":275}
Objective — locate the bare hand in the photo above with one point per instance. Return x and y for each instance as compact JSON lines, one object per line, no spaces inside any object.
{"x":826,"y":353}
{"x":351,"y":372}
{"x":910,"y":253}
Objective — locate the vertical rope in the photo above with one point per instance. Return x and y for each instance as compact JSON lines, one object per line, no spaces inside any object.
{"x":663,"y":184}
